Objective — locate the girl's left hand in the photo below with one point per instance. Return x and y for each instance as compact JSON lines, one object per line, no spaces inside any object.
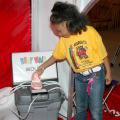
{"x":108,"y":78}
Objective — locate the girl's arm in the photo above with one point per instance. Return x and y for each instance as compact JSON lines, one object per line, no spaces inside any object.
{"x":108,"y":76}
{"x":46,"y":64}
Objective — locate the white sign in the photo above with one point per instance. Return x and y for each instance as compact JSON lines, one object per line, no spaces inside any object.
{"x":24,"y":64}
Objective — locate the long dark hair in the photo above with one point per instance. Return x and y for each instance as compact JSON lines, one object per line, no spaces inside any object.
{"x":75,"y":21}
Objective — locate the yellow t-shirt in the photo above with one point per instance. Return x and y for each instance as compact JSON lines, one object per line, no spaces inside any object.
{"x":82,"y":51}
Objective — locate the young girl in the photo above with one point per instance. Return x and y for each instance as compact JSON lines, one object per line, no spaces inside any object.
{"x":81,"y":45}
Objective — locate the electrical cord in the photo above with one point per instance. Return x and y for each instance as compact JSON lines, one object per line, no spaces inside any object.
{"x":18,"y":87}
{"x":25,"y":117}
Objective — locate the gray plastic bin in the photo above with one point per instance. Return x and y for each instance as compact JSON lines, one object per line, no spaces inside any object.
{"x":45,"y":107}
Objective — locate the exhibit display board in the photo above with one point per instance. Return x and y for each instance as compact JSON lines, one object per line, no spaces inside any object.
{"x":24,"y":64}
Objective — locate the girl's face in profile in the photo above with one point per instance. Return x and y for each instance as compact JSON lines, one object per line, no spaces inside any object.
{"x":60,"y":30}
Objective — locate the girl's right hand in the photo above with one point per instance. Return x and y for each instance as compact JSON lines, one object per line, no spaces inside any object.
{"x":38,"y":73}
{"x":36,"y":81}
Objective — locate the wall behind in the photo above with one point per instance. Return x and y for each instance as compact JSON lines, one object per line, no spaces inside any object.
{"x":14,"y":34}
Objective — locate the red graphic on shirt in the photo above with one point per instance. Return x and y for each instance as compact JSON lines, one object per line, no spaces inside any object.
{"x":81,"y":52}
